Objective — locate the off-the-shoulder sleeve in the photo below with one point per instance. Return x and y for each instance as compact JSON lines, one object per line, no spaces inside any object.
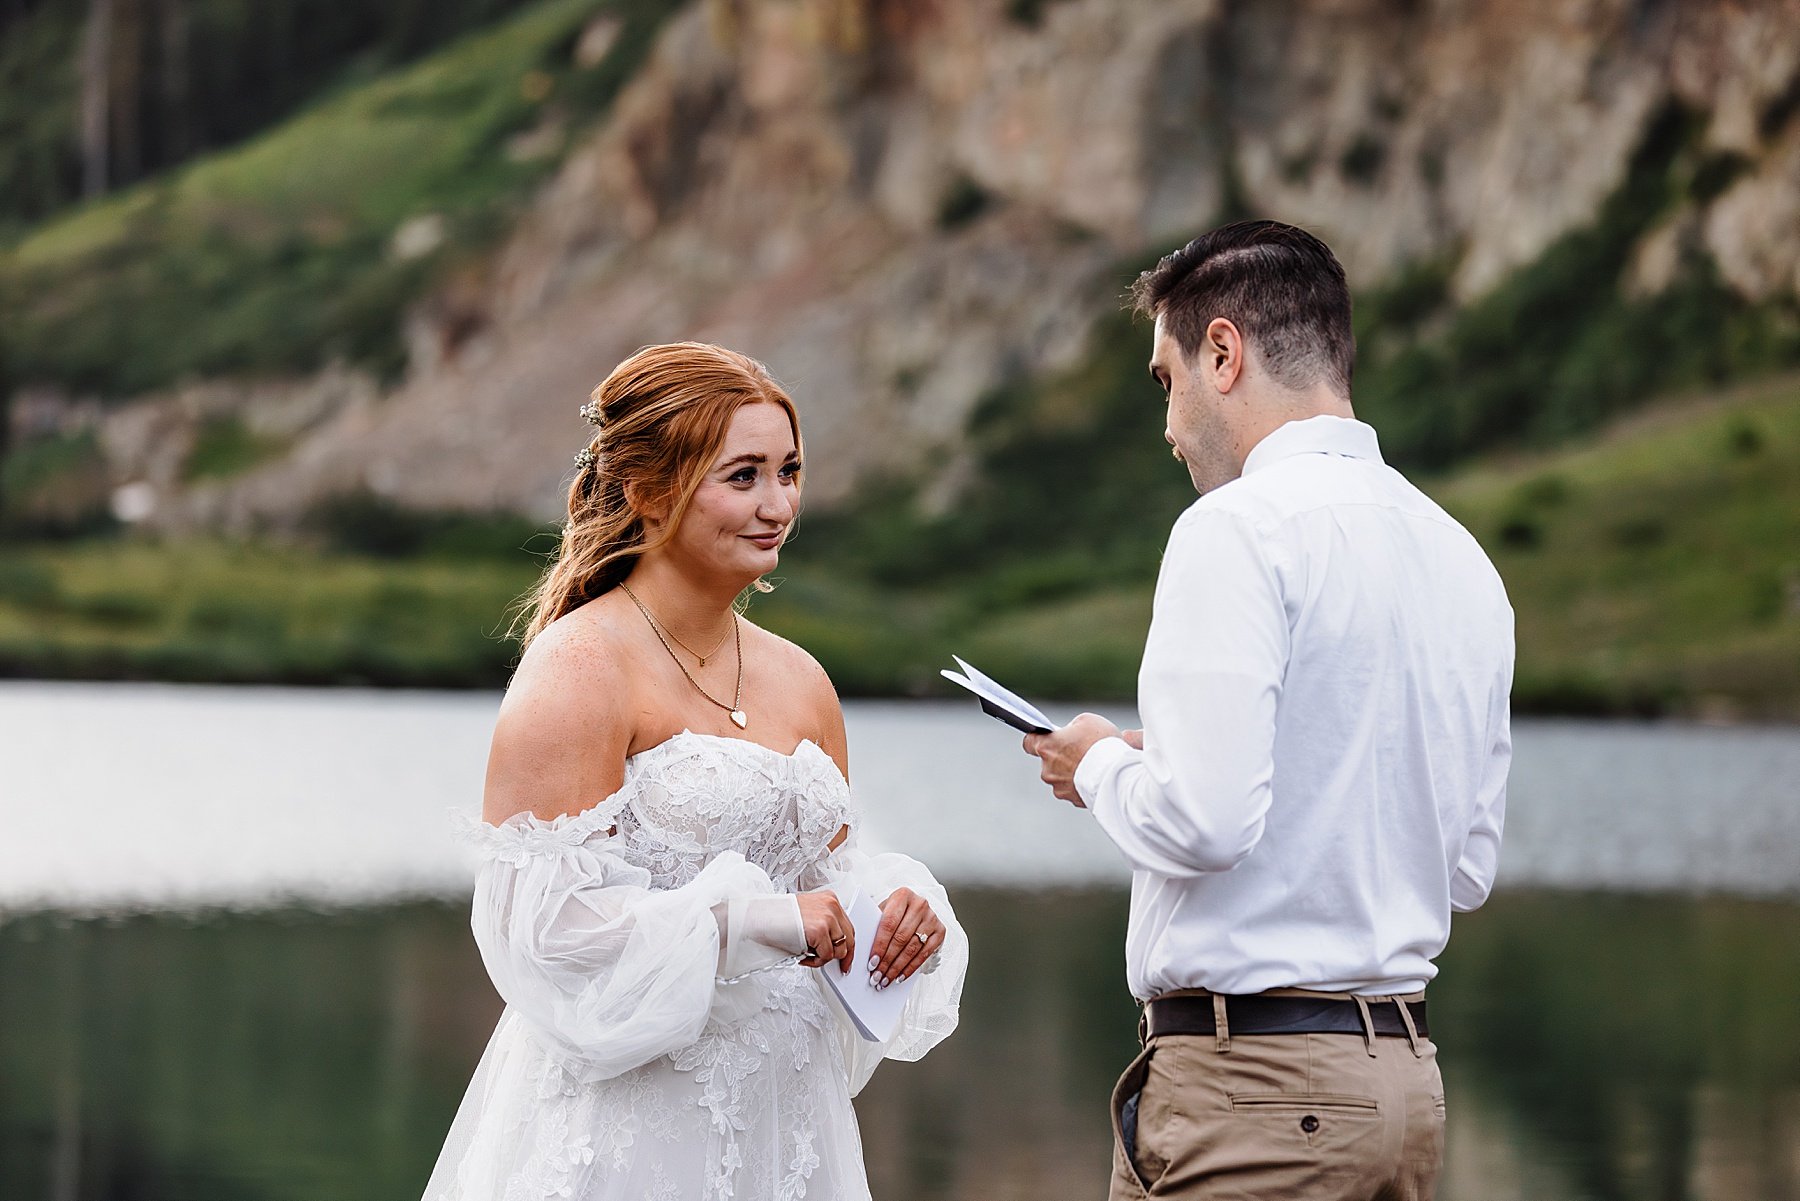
{"x":609,"y":971}
{"x":931,"y":1012}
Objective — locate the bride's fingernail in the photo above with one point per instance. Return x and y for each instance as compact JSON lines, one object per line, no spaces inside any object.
{"x":873,"y":960}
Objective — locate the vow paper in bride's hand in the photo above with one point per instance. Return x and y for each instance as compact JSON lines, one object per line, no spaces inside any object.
{"x":875,"y":1012}
{"x":1000,"y":702}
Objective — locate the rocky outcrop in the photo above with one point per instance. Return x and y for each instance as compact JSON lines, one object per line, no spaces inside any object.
{"x":903,"y":204}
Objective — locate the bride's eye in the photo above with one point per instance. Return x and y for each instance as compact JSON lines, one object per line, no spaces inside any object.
{"x":742,"y":475}
{"x":791,"y":471}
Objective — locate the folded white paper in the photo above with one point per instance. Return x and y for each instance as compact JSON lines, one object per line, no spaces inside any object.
{"x":1000,"y":702}
{"x":875,"y":1012}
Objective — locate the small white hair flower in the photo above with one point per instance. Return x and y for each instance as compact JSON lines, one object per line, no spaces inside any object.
{"x":591,"y":411}
{"x":584,"y":458}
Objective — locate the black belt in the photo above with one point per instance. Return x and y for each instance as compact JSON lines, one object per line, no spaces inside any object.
{"x":1279,"y":1015}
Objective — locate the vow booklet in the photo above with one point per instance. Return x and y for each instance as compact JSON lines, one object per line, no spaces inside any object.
{"x":999,"y":702}
{"x":875,"y":1012}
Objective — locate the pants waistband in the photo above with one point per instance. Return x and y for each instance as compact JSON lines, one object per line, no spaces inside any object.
{"x":1285,"y":1011}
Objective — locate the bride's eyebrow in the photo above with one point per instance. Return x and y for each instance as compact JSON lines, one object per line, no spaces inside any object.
{"x":793,"y":456}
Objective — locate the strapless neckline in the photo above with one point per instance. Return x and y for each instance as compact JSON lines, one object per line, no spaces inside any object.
{"x":574,"y":828}
{"x":684,"y":732}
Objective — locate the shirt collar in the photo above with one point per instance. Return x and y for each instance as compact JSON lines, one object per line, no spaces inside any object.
{"x":1321,"y":435}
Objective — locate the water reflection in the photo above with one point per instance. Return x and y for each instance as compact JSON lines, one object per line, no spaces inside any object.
{"x":1595,"y":1046}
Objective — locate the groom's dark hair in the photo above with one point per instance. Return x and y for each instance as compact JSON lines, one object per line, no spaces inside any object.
{"x":1282,"y":288}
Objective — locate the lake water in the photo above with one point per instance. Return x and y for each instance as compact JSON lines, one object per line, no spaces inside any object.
{"x":275,"y":996}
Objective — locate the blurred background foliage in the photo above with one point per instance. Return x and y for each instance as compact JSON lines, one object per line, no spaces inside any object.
{"x":284,"y":244}
{"x":1629,"y":457}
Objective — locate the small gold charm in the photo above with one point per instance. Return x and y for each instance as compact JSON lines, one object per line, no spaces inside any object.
{"x":739,"y":717}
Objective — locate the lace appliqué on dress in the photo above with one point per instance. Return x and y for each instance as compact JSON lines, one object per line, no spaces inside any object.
{"x":683,"y":808}
{"x":756,"y":1106}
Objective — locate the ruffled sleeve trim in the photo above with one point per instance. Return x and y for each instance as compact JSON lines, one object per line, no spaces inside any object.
{"x":525,"y":834}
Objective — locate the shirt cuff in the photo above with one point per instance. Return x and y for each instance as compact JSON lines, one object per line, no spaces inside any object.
{"x":1098,"y":764}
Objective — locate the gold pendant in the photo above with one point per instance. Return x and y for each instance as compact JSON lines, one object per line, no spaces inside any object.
{"x":740,"y":718}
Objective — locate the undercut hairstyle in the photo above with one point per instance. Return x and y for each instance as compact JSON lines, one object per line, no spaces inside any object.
{"x":1282,"y":288}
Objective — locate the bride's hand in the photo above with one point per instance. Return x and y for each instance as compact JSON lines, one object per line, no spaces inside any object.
{"x":829,"y":934}
{"x":909,"y":934}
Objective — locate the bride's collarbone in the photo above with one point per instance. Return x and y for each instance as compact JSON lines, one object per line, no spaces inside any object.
{"x":672,"y":704}
{"x":781,"y":737}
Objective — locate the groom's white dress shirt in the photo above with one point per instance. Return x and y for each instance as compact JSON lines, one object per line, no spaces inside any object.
{"x":1324,"y":700}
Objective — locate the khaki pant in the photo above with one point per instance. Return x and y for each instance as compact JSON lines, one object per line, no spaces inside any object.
{"x":1309,"y":1116}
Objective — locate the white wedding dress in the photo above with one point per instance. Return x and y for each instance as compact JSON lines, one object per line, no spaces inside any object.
{"x":654,"y":1047}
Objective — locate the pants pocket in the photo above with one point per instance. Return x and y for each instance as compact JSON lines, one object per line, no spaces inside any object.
{"x":1269,"y":1102}
{"x":1320,"y":1120}
{"x":1125,"y":1098}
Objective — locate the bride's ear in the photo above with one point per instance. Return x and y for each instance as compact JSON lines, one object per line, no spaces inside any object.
{"x":651,"y":509}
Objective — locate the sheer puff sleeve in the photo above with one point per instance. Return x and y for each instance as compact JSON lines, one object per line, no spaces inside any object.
{"x":609,"y":972}
{"x":931,"y":1012}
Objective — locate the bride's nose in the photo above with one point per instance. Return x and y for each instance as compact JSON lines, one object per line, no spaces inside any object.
{"x":777,"y":504}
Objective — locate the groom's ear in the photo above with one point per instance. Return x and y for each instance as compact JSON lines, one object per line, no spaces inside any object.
{"x":1222,"y":353}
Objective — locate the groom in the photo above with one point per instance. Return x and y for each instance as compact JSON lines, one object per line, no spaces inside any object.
{"x":1321,"y":775}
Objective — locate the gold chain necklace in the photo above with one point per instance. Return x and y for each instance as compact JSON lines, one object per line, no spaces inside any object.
{"x":709,"y":654}
{"x":737,"y":714}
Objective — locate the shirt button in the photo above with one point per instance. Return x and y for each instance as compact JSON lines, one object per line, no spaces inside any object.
{"x":1309,"y":1123}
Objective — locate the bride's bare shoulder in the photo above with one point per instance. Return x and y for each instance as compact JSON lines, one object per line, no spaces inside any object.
{"x":804,"y":679}
{"x":565,"y":723}
{"x":578,"y":650}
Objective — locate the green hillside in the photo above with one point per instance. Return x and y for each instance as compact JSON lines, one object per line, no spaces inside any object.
{"x":181,"y":77}
{"x":286,"y":243}
{"x":1655,"y":568}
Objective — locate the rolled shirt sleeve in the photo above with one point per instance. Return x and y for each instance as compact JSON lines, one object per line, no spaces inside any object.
{"x":1194,"y":799}
{"x":1476,"y":867}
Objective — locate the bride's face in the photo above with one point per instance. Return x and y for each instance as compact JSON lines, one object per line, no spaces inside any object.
{"x":745,"y":505}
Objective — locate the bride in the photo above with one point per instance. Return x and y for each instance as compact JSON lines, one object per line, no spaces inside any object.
{"x":668,"y":833}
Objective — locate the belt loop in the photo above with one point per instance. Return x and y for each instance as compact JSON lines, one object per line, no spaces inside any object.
{"x":1412,"y":1031}
{"x":1368,"y":1022}
{"x":1221,"y":1026}
{"x":1144,"y":1027}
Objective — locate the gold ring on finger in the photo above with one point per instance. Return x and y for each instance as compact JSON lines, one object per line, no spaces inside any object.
{"x":837,"y":942}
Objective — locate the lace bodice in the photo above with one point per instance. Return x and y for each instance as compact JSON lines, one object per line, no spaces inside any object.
{"x":687,"y":799}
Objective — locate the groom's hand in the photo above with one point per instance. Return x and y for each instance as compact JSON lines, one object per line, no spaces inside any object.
{"x":1062,"y":751}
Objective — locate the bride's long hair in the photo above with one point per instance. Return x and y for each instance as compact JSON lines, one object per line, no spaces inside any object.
{"x":662,"y":416}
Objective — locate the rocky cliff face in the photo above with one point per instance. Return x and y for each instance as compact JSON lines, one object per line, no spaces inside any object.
{"x":902,"y":204}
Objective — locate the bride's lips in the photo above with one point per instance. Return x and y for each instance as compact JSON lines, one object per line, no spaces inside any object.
{"x":767,"y":541}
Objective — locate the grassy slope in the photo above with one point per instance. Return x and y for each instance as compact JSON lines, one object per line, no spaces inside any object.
{"x":1654,"y":568}
{"x":212,"y":611}
{"x":1657,"y":566}
{"x":283,"y":242}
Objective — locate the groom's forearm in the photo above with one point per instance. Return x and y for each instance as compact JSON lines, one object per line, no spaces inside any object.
{"x":1157,"y":828}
